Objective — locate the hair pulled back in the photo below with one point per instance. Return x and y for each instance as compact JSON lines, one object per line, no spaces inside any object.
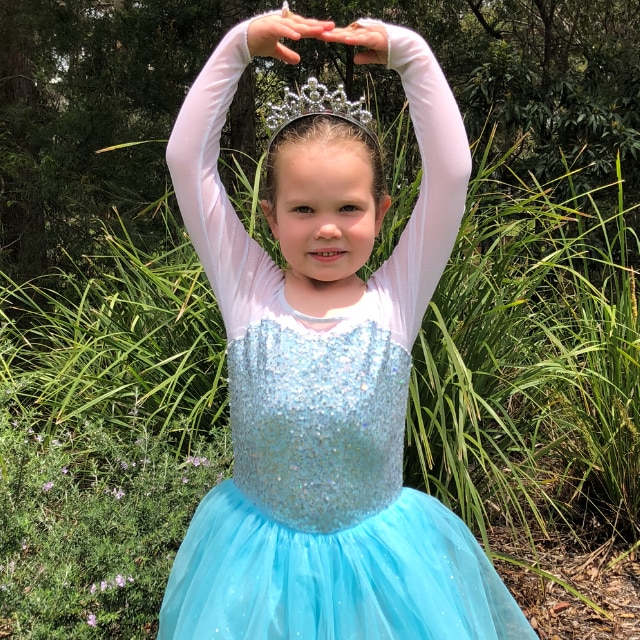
{"x":327,"y":130}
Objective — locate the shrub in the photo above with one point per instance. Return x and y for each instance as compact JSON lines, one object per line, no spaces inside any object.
{"x":89,"y":525}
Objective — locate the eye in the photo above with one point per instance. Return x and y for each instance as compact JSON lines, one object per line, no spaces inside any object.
{"x":303,"y":209}
{"x":349,"y":208}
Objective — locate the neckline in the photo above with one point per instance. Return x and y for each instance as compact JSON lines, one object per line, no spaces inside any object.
{"x":346,"y":312}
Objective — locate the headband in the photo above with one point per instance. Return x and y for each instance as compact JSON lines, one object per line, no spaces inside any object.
{"x":315,"y":99}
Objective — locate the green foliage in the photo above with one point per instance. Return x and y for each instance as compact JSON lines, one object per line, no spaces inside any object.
{"x":480,"y":360}
{"x":89,"y":524}
{"x":143,"y":341}
{"x":564,"y":73}
{"x":598,"y":340}
{"x":102,"y":74}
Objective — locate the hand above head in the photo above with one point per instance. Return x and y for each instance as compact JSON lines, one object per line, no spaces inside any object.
{"x":265,"y":33}
{"x":371,"y":36}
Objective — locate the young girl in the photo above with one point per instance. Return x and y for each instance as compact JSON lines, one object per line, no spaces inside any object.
{"x":315,"y":538}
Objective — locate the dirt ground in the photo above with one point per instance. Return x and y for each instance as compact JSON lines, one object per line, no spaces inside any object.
{"x":611,"y":583}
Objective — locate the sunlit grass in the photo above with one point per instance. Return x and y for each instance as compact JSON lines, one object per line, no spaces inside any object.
{"x":598,"y":341}
{"x":144,"y":340}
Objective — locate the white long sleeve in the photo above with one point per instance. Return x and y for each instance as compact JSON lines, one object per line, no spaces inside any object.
{"x":415,"y":267}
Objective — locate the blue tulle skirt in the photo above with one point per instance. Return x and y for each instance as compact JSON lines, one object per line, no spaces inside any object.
{"x":411,"y":572}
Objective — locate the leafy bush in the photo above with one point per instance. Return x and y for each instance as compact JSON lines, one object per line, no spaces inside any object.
{"x":89,"y":524}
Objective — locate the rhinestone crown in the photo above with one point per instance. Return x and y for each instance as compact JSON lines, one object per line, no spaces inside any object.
{"x":315,"y":98}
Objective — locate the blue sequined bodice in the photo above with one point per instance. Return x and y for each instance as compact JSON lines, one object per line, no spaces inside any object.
{"x":318,"y":422}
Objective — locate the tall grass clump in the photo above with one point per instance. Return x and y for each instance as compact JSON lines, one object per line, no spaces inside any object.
{"x":141,"y":341}
{"x":596,"y":400}
{"x":481,"y":359}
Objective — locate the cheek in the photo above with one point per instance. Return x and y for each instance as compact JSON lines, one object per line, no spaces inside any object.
{"x":288,"y":237}
{"x":366,"y":229}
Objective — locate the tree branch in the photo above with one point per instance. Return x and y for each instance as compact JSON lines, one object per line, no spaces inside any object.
{"x":15,"y":77}
{"x":492,"y":31}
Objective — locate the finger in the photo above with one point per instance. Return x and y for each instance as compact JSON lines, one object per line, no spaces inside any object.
{"x":283,"y":30}
{"x":358,"y":31}
{"x":313,"y":30}
{"x":325,"y":24}
{"x":337,"y":35}
{"x":270,"y":27}
{"x":296,"y":31}
{"x":369,"y":39}
{"x":285,"y":54}
{"x":353,"y":29}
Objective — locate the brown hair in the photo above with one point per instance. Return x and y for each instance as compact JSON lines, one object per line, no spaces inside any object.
{"x":327,"y":129}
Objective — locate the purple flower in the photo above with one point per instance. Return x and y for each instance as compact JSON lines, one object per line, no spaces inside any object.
{"x":120,"y":581}
{"x":185,"y":480}
{"x":47,"y":486}
{"x":197,"y":461}
{"x":65,"y":470}
{"x":91,"y":620}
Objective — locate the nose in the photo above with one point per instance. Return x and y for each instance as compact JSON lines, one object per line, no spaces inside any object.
{"x":328,"y":229}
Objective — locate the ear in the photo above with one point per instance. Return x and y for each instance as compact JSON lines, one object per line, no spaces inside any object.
{"x":270,"y":214}
{"x":381,"y":211}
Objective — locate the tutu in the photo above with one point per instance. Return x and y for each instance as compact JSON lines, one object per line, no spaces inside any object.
{"x":413,"y":571}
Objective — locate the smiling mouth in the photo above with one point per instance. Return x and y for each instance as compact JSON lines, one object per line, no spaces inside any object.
{"x":327,"y":254}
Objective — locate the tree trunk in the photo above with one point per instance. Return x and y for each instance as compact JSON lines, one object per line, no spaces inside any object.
{"x":23,"y":244}
{"x":16,"y":79}
{"x":242,"y":123}
{"x":242,"y":139}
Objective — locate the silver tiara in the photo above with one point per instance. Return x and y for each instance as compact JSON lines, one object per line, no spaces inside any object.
{"x":315,"y":98}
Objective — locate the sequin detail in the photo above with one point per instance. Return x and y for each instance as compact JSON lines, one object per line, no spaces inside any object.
{"x":318,"y":422}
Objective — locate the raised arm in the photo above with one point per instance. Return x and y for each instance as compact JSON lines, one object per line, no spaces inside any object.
{"x":426,"y":244}
{"x":233,"y":262}
{"x":217,"y":234}
{"x":412,"y":273}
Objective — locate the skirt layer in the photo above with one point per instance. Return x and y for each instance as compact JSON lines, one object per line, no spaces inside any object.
{"x":412,"y":572}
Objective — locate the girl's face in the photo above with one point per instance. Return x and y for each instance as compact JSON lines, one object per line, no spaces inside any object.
{"x":325,"y":215}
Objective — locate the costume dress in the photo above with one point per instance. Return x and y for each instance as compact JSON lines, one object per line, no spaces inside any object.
{"x":315,"y":538}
